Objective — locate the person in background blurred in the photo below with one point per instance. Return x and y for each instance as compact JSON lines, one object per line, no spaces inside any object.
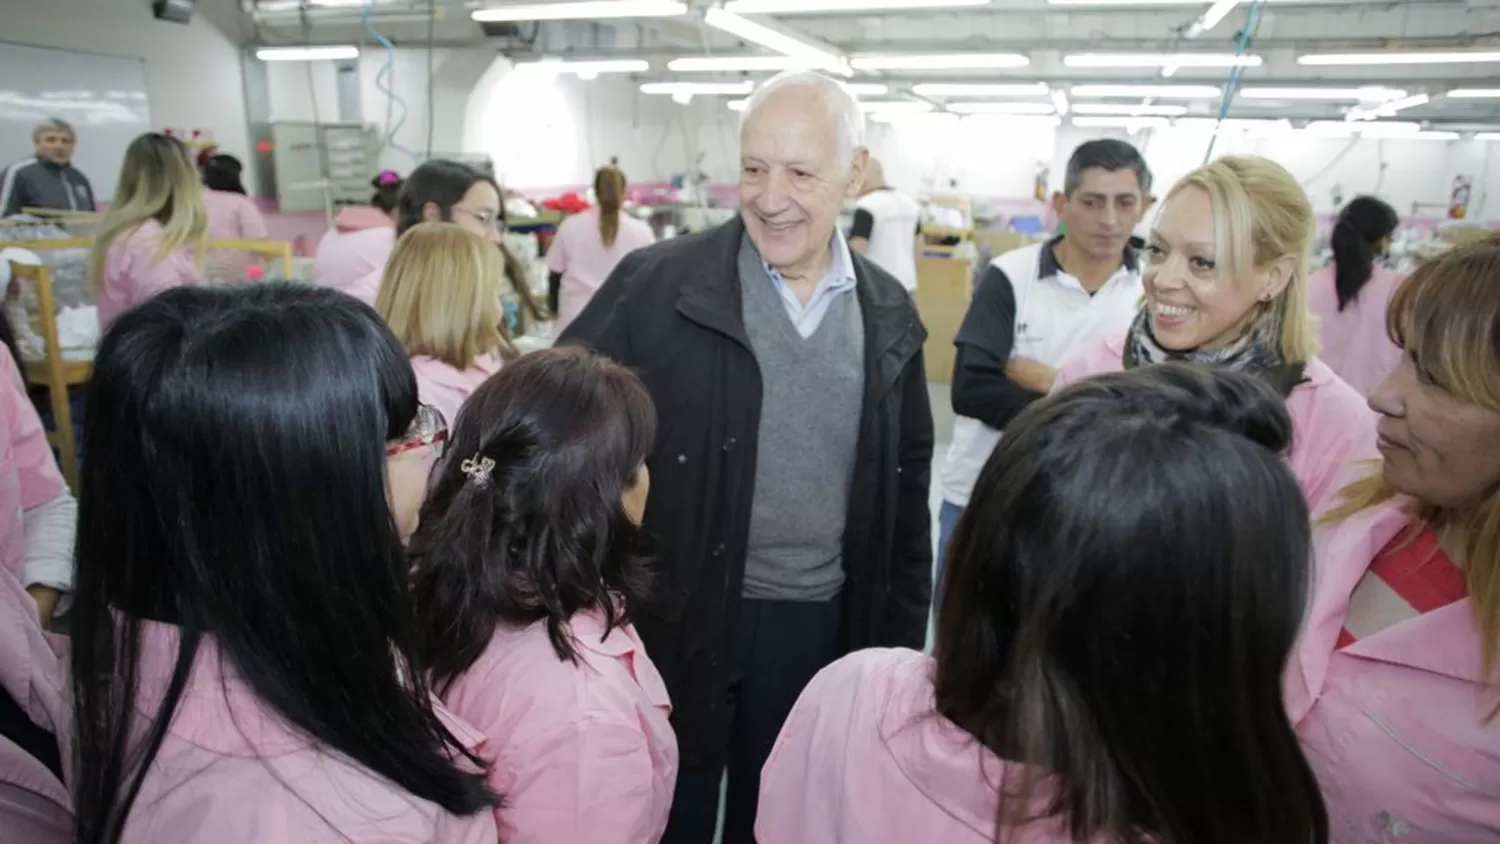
{"x":1396,"y":687}
{"x":155,"y":232}
{"x":35,"y":725}
{"x":886,"y":225}
{"x":589,"y":246}
{"x":441,"y":296}
{"x":1123,"y":595}
{"x":1226,"y":286}
{"x":47,"y":179}
{"x":231,"y":216}
{"x":242,"y":660}
{"x":1349,"y":296}
{"x":361,"y":239}
{"x":37,"y":512}
{"x":526,"y":568}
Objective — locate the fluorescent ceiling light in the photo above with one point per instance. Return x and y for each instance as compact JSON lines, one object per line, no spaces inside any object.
{"x":867,"y":89}
{"x":587,"y":10}
{"x":1387,"y":109}
{"x":745,"y":64}
{"x":1007,"y":121}
{"x":1398,"y":57}
{"x":1130,"y":110}
{"x":1437,"y":136}
{"x":1367,"y":94}
{"x":1161,"y":60}
{"x":1378,"y":129}
{"x":1134,"y":124}
{"x":1248,"y":125}
{"x":1216,"y":13}
{"x":894,"y":106}
{"x":737,"y":89}
{"x":305,"y":54}
{"x":1125,"y":3}
{"x":1024,"y":89}
{"x":906,"y":117}
{"x":772,"y":36}
{"x":1060,"y":101}
{"x":1000,"y":108}
{"x":813,"y":7}
{"x":738,"y":105}
{"x":1487,"y":136}
{"x":942,"y":61}
{"x":1161,"y":92}
{"x":587,"y":69}
{"x":1475,"y":93}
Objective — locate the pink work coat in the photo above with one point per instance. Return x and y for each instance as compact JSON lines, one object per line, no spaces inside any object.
{"x":355,"y":249}
{"x":864,"y":759}
{"x":1393,"y":725}
{"x":231,"y":216}
{"x":232,"y":771}
{"x":1333,"y":427}
{"x":1355,"y":342}
{"x":582,"y":753}
{"x":578,"y":253}
{"x":134,"y":271}
{"x":28,"y":474}
{"x":447,"y":388}
{"x":35,"y":807}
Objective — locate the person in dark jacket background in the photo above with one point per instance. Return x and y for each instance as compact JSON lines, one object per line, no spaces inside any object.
{"x":48,"y":179}
{"x":789,"y":500}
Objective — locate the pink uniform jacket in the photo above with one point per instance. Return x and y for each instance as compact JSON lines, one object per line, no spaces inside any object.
{"x":1355,"y":342}
{"x":35,"y":807}
{"x":865,"y":759}
{"x":445,"y":387}
{"x":579,"y":254}
{"x":28,"y":474}
{"x":582,"y":753}
{"x":1333,"y":427}
{"x":231,"y":771}
{"x":1393,"y":725}
{"x":135,"y":270}
{"x":231,"y":216}
{"x":358,"y":245}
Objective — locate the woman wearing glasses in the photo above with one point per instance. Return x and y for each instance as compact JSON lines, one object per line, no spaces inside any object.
{"x":243,"y":664}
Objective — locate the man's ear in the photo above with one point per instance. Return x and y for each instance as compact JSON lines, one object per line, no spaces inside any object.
{"x":1059,"y":202}
{"x":431,"y":213}
{"x":858,"y":168}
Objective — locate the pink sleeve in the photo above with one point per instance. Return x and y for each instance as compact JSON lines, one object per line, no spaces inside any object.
{"x":557,"y":253}
{"x":37,"y":471}
{"x":587,"y":781}
{"x":1075,"y":367}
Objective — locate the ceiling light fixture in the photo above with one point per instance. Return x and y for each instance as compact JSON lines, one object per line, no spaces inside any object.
{"x":587,"y":69}
{"x":1126,"y":3}
{"x":931,"y":118}
{"x":735,"y":89}
{"x":1251,"y":126}
{"x":945,"y":89}
{"x":745,"y":64}
{"x":941,"y":61}
{"x":1487,"y":136}
{"x":1366,"y":94}
{"x":1161,"y":60}
{"x":306,"y":54}
{"x":1001,"y":108}
{"x":1133,"y":124}
{"x":813,"y":7}
{"x":1387,"y":109}
{"x":895,"y":106}
{"x":1160,"y":92}
{"x":738,"y":105}
{"x":1216,"y":13}
{"x":586,"y":10}
{"x":1060,"y":101}
{"x":1475,"y":93}
{"x":1398,"y":57}
{"x":1377,"y":129}
{"x":1130,"y":110}
{"x":774,"y":37}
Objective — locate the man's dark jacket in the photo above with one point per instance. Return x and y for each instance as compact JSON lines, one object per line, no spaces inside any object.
{"x":672,"y":312}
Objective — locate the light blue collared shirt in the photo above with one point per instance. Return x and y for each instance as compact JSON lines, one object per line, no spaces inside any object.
{"x":839,"y":280}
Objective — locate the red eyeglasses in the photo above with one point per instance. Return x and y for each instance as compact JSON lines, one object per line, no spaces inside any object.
{"x":429,"y":428}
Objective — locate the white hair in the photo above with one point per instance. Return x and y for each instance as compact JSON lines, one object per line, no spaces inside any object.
{"x":53,"y":124}
{"x":842,"y":105}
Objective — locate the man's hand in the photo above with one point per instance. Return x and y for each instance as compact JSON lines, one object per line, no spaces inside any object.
{"x":46,"y":602}
{"x":1033,"y":375}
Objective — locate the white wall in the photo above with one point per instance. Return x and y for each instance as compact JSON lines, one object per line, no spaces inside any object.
{"x":193,"y":77}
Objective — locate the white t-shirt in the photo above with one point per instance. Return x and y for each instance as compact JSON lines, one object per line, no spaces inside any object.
{"x":895,"y":217}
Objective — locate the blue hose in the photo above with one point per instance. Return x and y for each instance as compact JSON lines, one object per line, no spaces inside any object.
{"x":1232,"y":87}
{"x":383,"y":86}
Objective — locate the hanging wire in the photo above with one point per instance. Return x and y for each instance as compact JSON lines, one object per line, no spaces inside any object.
{"x":382,"y":83}
{"x":1252,"y":21}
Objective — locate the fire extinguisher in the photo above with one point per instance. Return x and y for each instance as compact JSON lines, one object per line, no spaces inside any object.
{"x":1043,"y":175}
{"x":1458,"y":206}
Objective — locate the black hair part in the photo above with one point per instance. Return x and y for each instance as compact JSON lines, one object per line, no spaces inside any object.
{"x":1107,"y":154}
{"x":441,"y":182}
{"x":545,"y":536}
{"x":230,"y":430}
{"x":1361,"y":226}
{"x":1122,"y":595}
{"x":222,"y":172}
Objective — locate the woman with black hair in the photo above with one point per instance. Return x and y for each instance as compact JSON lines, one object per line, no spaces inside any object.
{"x":1350,"y":295}
{"x":526,"y":568}
{"x":362,"y":237}
{"x":242,"y":647}
{"x":1122,"y":596}
{"x":231,"y":216}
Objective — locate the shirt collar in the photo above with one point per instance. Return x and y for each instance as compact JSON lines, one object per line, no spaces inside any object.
{"x":840,"y":276}
{"x":1047,"y":265}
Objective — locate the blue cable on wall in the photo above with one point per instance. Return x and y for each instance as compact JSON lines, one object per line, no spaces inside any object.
{"x":1230,"y":89}
{"x":382,"y":84}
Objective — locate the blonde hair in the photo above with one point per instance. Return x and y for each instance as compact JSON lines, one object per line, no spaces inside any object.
{"x":157,"y":182}
{"x":440,"y":295}
{"x":1262,"y":215}
{"x":1447,"y":316}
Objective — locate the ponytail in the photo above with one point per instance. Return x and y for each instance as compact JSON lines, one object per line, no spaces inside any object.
{"x":609,"y":189}
{"x":1363,"y":224}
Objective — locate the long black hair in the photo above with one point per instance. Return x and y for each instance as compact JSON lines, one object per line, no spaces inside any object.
{"x":222,"y":172}
{"x":8,"y":340}
{"x":235,"y":489}
{"x":1363,"y":224}
{"x":1123,"y":592}
{"x":544,"y":535}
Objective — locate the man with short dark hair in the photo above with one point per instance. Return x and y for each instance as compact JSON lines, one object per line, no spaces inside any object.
{"x":1032,"y":304}
{"x":48,"y":179}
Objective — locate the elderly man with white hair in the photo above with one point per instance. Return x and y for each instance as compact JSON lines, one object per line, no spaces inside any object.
{"x":48,"y":179}
{"x":789,"y":484}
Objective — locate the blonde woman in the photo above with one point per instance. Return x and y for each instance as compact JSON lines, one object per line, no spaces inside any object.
{"x":153,"y":237}
{"x":1395,"y":685}
{"x":1225,"y":278}
{"x":440,"y":294}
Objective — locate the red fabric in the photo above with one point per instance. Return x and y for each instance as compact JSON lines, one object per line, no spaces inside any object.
{"x":1420,"y":573}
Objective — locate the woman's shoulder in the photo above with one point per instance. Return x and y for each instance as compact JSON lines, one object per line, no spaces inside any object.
{"x":1324,"y":393}
{"x":1093,"y":354}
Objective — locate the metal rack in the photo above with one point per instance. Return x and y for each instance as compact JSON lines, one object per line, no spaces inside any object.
{"x":318,"y":164}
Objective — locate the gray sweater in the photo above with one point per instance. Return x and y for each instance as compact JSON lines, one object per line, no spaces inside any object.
{"x":813,"y":391}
